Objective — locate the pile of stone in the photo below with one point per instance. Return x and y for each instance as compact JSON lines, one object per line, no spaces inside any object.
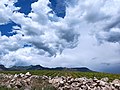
{"x":17,"y":81}
{"x":28,"y":82}
{"x":69,"y":83}
{"x":25,"y":82}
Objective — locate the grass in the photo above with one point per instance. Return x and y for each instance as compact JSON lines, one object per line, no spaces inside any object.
{"x":74,"y":74}
{"x":5,"y":88}
{"x":34,"y":88}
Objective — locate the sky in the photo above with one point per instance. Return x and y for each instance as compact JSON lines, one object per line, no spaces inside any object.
{"x":61,"y":33}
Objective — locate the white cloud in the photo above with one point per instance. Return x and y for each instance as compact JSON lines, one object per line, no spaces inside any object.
{"x":95,"y":20}
{"x":43,"y":34}
{"x":6,"y":9}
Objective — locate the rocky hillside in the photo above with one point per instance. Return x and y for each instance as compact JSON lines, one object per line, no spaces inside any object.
{"x":35,"y":82}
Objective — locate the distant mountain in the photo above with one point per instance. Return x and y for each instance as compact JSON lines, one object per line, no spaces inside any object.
{"x":82,"y":69}
{"x":2,"y":68}
{"x":39,"y":67}
{"x":31,"y":67}
{"x":19,"y":68}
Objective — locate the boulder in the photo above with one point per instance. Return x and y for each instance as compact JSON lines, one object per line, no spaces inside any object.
{"x":28,"y":74}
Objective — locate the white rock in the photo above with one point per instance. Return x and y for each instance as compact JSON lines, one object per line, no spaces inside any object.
{"x":105,"y":79}
{"x":102,"y":83}
{"x":15,"y":76}
{"x":12,"y":80}
{"x":28,"y":74}
{"x":116,"y":81}
{"x":117,"y":84}
{"x":28,"y":80}
{"x":50,"y":81}
{"x":22,"y":75}
{"x":62,"y":82}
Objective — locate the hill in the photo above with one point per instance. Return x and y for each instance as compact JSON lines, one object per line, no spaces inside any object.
{"x":39,"y":67}
{"x":3,"y":68}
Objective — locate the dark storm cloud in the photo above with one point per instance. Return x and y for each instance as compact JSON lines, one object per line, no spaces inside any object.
{"x":112,"y":69}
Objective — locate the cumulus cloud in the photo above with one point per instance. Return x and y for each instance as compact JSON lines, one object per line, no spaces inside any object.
{"x":86,"y":24}
{"x":52,"y":37}
{"x":6,"y":10}
{"x":37,"y":29}
{"x":108,"y":28}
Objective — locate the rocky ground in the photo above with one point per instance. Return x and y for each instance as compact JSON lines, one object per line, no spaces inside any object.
{"x":34,"y":82}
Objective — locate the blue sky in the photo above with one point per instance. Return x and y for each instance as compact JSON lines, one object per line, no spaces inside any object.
{"x":25,"y":5}
{"x":68,"y":33}
{"x":7,"y":29}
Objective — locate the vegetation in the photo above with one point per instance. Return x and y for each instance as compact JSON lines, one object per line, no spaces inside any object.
{"x":74,"y":74}
{"x":5,"y":88}
{"x":34,"y":88}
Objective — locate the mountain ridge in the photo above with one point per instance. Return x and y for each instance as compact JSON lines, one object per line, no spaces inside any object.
{"x":39,"y":67}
